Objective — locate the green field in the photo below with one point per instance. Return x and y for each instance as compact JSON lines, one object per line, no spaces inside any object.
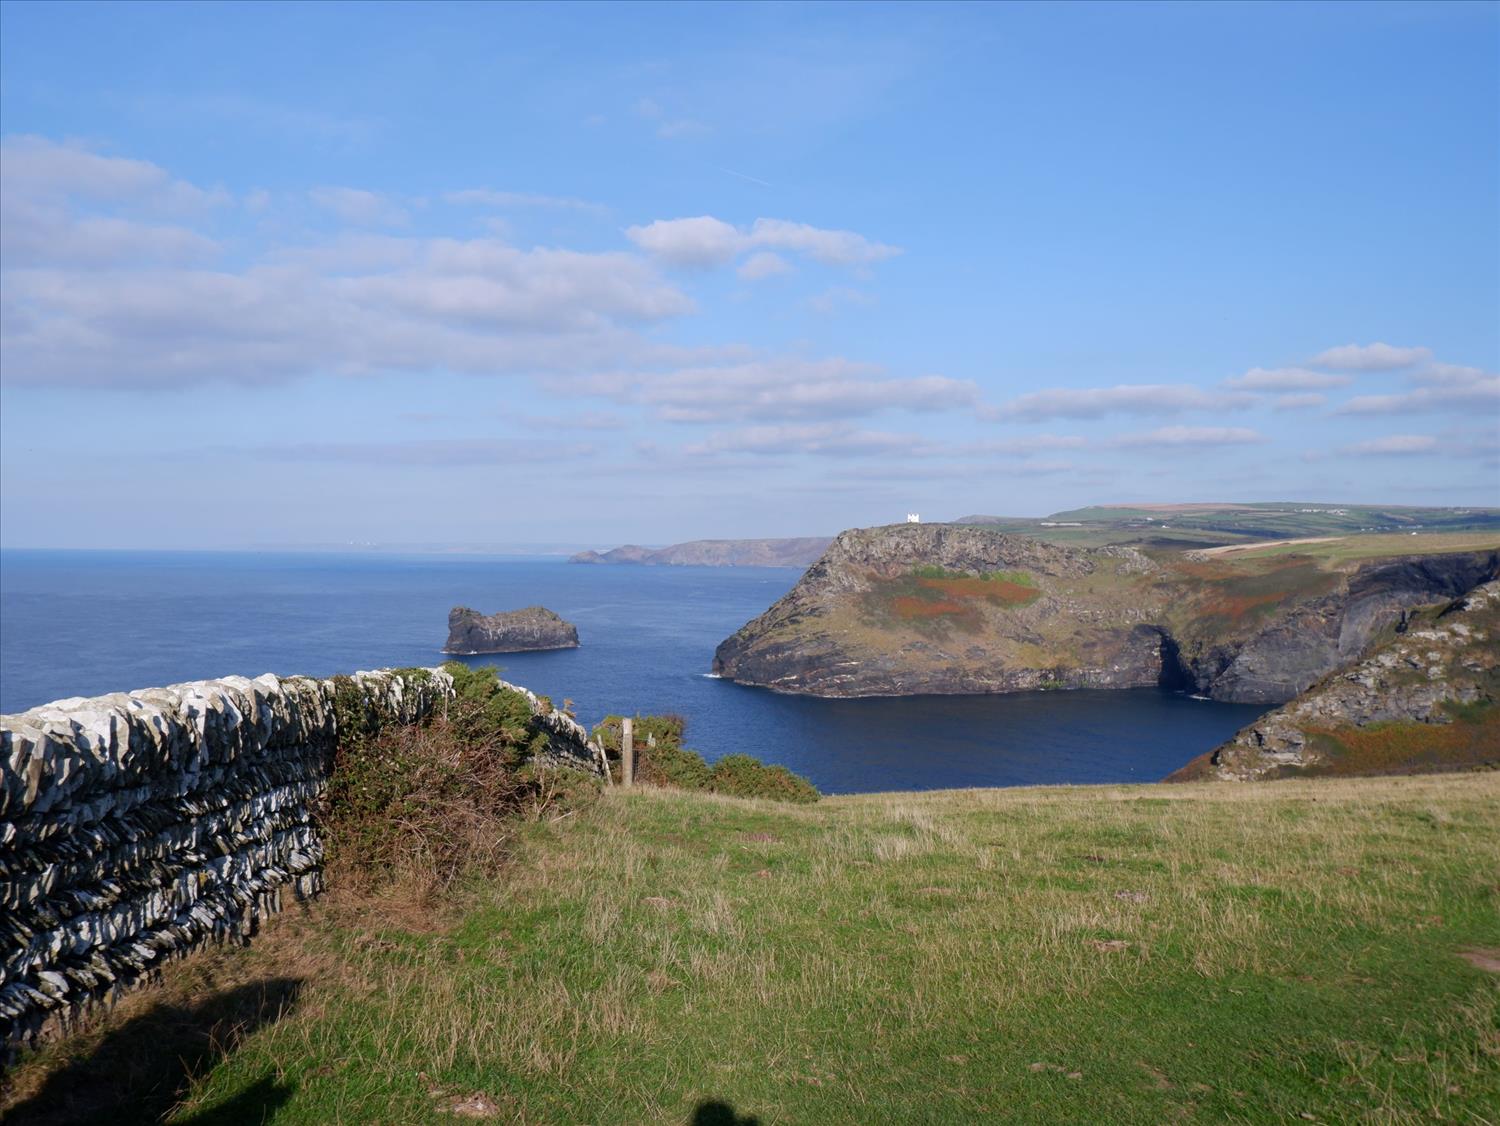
{"x":1187,"y":526}
{"x":1336,"y":550}
{"x":1257,"y":953}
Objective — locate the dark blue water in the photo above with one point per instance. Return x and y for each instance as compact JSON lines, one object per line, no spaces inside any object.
{"x":84,"y":623}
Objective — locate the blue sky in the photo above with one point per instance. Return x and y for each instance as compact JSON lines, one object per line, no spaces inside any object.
{"x":590,"y":274}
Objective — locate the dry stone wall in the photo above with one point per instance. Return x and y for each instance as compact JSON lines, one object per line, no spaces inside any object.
{"x":568,"y":742}
{"x":136,"y":827}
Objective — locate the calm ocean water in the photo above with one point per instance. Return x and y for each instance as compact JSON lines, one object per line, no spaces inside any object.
{"x":84,"y":623}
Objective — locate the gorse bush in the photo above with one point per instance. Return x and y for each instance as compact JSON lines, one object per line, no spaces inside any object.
{"x":427,"y":802}
{"x":741,"y":776}
{"x":662,"y":760}
{"x":682,"y":769}
{"x":487,"y":713}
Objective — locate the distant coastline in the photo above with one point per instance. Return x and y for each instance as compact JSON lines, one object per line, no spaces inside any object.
{"x":715,"y":553}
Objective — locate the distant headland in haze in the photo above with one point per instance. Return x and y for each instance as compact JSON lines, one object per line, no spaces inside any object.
{"x":716,"y":553}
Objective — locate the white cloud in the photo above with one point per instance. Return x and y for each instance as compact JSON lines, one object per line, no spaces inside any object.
{"x":1286,"y":379}
{"x":1371,"y":357}
{"x":483,"y":281}
{"x":1299,"y":402}
{"x":360,"y":207}
{"x":781,"y":389}
{"x":98,"y":292}
{"x":1040,"y":467}
{"x":703,"y":240}
{"x":1030,"y":444}
{"x":38,"y":168}
{"x":33,"y":233}
{"x":440,"y":452}
{"x":573,"y":420}
{"x":1169,"y":436}
{"x":825,"y":439}
{"x":1393,"y":445}
{"x":1451,"y":375}
{"x":763,"y":264}
{"x":1096,"y":402}
{"x":832,"y":248}
{"x":1481,"y":394}
{"x":373,"y":304}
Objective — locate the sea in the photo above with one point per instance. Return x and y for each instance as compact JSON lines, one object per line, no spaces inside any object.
{"x":82,"y":623}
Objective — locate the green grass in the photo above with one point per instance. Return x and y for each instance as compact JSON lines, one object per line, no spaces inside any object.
{"x":1211,"y":953}
{"x":1208,"y":524}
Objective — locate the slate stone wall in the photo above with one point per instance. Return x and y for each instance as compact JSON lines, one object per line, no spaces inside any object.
{"x":136,"y":827}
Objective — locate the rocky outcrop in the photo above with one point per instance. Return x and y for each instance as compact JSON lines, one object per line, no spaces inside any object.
{"x":716,"y":553}
{"x":936,"y":608}
{"x":510,"y":631}
{"x":1423,"y":698}
{"x":931,"y":608}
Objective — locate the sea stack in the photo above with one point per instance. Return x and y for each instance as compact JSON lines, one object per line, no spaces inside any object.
{"x":510,"y":631}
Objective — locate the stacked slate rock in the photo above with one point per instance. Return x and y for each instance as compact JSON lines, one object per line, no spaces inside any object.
{"x":134,"y":828}
{"x":568,"y":742}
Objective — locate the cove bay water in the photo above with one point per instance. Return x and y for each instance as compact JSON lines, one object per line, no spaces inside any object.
{"x":86,"y":623}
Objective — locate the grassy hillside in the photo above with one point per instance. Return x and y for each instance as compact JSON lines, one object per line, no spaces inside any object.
{"x":1281,"y":952}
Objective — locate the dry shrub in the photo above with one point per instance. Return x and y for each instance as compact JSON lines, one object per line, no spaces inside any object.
{"x":428,"y":803}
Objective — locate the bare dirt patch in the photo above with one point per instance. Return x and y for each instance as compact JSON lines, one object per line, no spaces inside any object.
{"x":1482,"y":957}
{"x":1230,"y":548}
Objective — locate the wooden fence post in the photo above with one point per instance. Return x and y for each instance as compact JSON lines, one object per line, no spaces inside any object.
{"x":627,"y":752}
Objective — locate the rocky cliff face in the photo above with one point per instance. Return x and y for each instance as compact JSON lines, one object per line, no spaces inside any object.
{"x":1424,"y":697}
{"x":931,"y":608}
{"x":510,"y":631}
{"x":1299,"y":640}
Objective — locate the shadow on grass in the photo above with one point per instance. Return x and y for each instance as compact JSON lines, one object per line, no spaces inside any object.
{"x":712,"y":1112}
{"x":137,"y":1072}
{"x":256,"y":1104}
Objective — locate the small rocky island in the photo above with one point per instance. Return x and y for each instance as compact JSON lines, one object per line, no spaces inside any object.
{"x":510,"y":631}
